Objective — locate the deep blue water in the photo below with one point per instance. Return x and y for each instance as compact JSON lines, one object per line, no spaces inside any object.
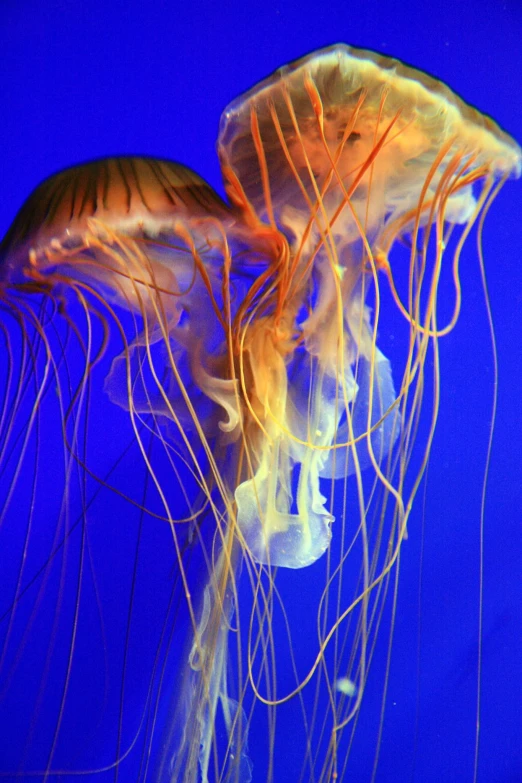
{"x":80,"y":81}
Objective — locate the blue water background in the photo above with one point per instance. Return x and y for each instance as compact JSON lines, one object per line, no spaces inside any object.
{"x":83,"y":80}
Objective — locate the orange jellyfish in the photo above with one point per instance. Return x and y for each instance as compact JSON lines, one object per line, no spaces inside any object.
{"x":214,"y":371}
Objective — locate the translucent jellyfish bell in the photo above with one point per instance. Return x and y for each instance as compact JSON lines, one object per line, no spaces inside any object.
{"x":67,"y":222}
{"x":349,"y":121}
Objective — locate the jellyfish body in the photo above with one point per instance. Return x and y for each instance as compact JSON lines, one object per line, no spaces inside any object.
{"x":248,"y":353}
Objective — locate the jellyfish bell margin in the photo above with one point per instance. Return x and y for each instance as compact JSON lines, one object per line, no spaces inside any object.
{"x":237,"y":343}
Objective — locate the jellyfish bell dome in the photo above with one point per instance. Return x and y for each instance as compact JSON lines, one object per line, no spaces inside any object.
{"x":137,"y":196}
{"x":346,"y":121}
{"x":72,"y":221}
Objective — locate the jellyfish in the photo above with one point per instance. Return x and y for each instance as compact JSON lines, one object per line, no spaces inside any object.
{"x":199,"y":418}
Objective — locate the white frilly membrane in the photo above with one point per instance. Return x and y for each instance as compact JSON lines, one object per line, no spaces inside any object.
{"x":322,"y":425}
